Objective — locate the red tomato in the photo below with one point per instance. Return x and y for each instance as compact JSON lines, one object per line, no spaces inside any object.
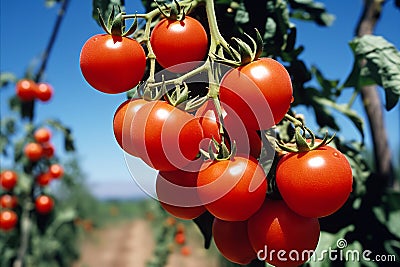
{"x":112,"y":64}
{"x":185,"y":251}
{"x":44,"y":92}
{"x":44,"y":204}
{"x":42,"y":135}
{"x":8,"y":201}
{"x":8,"y":220}
{"x":48,"y":149}
{"x":44,"y":179}
{"x":314,"y":183}
{"x":25,"y":89}
{"x":279,"y":235}
{"x":8,"y":179}
{"x":233,"y":242}
{"x":56,"y":171}
{"x":122,"y":123}
{"x":33,"y":151}
{"x":177,"y":193}
{"x":166,"y":138}
{"x":260,"y":93}
{"x":232,"y":190}
{"x":180,"y":238}
{"x":177,"y":42}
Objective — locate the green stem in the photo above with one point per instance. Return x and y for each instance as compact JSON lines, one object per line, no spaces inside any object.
{"x":352,"y":99}
{"x":25,"y":232}
{"x":293,"y":120}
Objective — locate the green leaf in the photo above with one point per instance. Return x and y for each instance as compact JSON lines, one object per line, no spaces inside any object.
{"x":311,"y":11}
{"x":51,"y":3}
{"x":6,"y":78}
{"x":393,"y":223}
{"x":106,"y":7}
{"x":376,"y":62}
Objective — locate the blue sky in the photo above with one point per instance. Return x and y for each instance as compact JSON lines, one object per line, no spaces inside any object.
{"x":25,"y":30}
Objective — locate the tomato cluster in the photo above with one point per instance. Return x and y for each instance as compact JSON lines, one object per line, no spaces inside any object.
{"x":208,"y":158}
{"x":8,"y":202}
{"x":28,"y":90}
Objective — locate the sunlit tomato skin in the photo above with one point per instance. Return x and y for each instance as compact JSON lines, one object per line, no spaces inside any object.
{"x":8,"y":220}
{"x":232,"y":190}
{"x":259,"y":92}
{"x":232,"y":241}
{"x":56,"y":171}
{"x":177,"y":193}
{"x":25,"y":89}
{"x":42,"y":135}
{"x":315,"y":183}
{"x":33,"y":151}
{"x":122,"y":123}
{"x":112,"y":64}
{"x":8,"y":179}
{"x":166,"y":138}
{"x":8,"y":201}
{"x":43,"y":179}
{"x":176,"y":42}
{"x":276,"y":228}
{"x":44,"y":92}
{"x":44,"y":204}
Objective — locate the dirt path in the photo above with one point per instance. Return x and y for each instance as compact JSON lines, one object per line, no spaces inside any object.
{"x":131,"y":245}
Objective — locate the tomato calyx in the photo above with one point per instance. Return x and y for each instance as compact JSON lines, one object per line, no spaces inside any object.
{"x":175,"y":11}
{"x":116,"y":23}
{"x":219,"y":151}
{"x":245,"y":53}
{"x":302,"y":143}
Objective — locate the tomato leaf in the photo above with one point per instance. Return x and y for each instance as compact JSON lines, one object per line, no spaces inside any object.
{"x":311,"y":11}
{"x":6,"y":78}
{"x":106,"y":8}
{"x":204,"y":223}
{"x":376,"y":62}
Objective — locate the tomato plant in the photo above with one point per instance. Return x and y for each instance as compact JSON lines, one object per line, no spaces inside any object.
{"x":259,"y":92}
{"x":8,"y":179}
{"x":8,"y":220}
{"x":276,"y":228}
{"x":44,"y":204}
{"x":112,"y":64}
{"x":315,"y":183}
{"x":232,"y":190}
{"x":56,"y":170}
{"x":179,"y":41}
{"x":233,"y":242}
{"x":166,"y":138}
{"x":44,"y":179}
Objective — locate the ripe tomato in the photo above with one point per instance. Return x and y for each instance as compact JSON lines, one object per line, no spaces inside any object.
{"x":166,"y":138}
{"x":122,"y":123}
{"x":8,"y":220}
{"x":48,"y":149}
{"x":112,"y":64}
{"x":185,"y":251}
{"x":44,"y":204}
{"x":42,"y":135}
{"x":8,"y":179}
{"x":259,"y":92}
{"x":44,"y":91}
{"x":180,"y":238}
{"x":232,"y":241}
{"x":56,"y":171}
{"x":176,"y":42}
{"x":314,"y":183}
{"x":44,"y":179}
{"x":232,"y":190}
{"x":8,"y":201}
{"x":280,"y":236}
{"x":25,"y":89}
{"x":177,"y":193}
{"x":33,"y":151}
